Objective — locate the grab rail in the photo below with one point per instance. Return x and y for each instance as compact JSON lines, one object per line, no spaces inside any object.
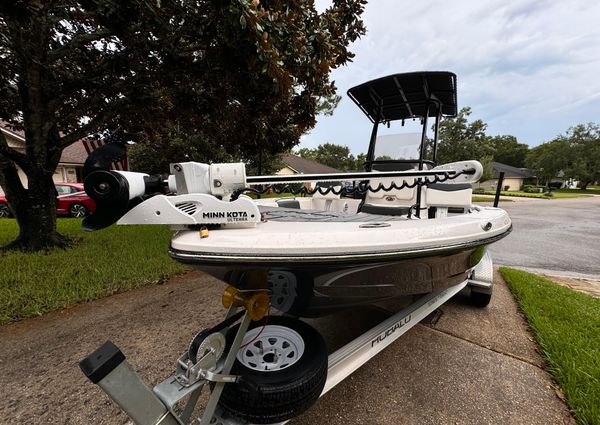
{"x":430,"y":177}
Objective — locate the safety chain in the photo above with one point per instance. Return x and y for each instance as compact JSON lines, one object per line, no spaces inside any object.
{"x":359,"y":189}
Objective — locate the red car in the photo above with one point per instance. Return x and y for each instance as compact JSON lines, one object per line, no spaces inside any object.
{"x":4,"y":211}
{"x":71,"y":200}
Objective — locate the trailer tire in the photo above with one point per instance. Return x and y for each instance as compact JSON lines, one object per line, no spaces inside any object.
{"x":277,"y":395}
{"x":480,"y":299}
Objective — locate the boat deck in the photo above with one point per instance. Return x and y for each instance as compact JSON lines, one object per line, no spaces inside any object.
{"x":297,"y":215}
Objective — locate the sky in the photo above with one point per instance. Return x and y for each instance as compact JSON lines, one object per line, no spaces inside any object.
{"x":529,"y":68}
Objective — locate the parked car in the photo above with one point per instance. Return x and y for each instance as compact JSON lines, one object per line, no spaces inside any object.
{"x":4,"y":211}
{"x":71,"y":200}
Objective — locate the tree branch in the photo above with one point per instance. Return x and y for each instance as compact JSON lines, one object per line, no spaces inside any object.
{"x":77,"y":41}
{"x":87,"y":128}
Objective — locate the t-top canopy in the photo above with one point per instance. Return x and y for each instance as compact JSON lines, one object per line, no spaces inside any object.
{"x":403,"y":96}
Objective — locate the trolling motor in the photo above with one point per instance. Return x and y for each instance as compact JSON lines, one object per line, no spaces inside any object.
{"x":202,"y":193}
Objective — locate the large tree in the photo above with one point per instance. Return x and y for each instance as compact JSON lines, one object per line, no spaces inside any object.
{"x":584,"y":158}
{"x":461,"y":140}
{"x":244,"y":77}
{"x":507,"y":150}
{"x":336,"y":156}
{"x":549,"y":159}
{"x":576,"y":154}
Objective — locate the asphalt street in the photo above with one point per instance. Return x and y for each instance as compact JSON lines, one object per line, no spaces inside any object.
{"x":559,"y":236}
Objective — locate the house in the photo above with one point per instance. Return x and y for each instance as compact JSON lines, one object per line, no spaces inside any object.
{"x":514,"y":178}
{"x":71,"y":161}
{"x":294,"y":164}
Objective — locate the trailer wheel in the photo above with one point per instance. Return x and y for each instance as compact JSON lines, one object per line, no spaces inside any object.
{"x":284,"y":367}
{"x":480,"y":299}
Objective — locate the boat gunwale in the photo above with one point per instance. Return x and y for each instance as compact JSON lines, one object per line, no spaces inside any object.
{"x":202,"y":257}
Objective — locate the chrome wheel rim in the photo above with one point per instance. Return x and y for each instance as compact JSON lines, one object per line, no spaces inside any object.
{"x":3,"y":211}
{"x":77,"y":210}
{"x":276,"y":348}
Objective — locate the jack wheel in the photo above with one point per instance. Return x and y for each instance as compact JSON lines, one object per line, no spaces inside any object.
{"x":286,"y":365}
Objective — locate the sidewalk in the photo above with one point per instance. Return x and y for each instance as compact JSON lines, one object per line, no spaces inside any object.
{"x":468,"y":366}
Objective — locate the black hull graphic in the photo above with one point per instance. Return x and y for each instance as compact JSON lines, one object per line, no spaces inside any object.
{"x":313,"y":289}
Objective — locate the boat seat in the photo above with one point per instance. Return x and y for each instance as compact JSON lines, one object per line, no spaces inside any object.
{"x":288,"y":203}
{"x":449,"y":187}
{"x":325,"y":202}
{"x":383,"y":210}
{"x":449,"y":195}
{"x":393,"y":202}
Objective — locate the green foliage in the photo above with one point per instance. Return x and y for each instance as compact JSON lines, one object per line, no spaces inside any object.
{"x":488,"y":173}
{"x":548,"y":159}
{"x":507,"y":150}
{"x":461,"y":140}
{"x":566,"y":325}
{"x":103,"y":263}
{"x":336,"y":156}
{"x":584,"y":158}
{"x":576,"y":154}
{"x":239,"y":79}
{"x":532,"y":189}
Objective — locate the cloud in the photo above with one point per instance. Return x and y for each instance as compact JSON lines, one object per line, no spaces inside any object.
{"x":528,"y":68}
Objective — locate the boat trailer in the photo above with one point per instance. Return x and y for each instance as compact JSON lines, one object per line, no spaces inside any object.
{"x":210,"y":361}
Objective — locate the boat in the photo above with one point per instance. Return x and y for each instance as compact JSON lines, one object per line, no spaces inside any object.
{"x":320,"y":254}
{"x":402,"y":230}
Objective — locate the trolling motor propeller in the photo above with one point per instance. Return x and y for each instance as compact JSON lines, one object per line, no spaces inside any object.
{"x":115,"y":192}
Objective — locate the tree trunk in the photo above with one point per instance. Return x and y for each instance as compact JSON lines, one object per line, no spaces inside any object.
{"x":583,"y":185}
{"x":35,"y":209}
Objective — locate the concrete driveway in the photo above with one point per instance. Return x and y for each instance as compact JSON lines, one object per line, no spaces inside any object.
{"x":556,"y":237}
{"x":467,"y":366}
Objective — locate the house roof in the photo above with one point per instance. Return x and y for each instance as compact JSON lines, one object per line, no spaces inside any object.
{"x":510,"y":171}
{"x":74,"y":154}
{"x":306,"y":166}
{"x":17,"y":134}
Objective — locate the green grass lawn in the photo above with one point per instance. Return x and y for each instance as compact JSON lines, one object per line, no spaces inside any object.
{"x":591,"y":190}
{"x":566,"y":325}
{"x":101,"y":263}
{"x":556,"y":194}
{"x":476,"y":198}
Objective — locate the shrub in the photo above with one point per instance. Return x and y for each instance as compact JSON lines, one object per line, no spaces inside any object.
{"x":506,"y":188}
{"x":479,"y":191}
{"x":528,"y":188}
